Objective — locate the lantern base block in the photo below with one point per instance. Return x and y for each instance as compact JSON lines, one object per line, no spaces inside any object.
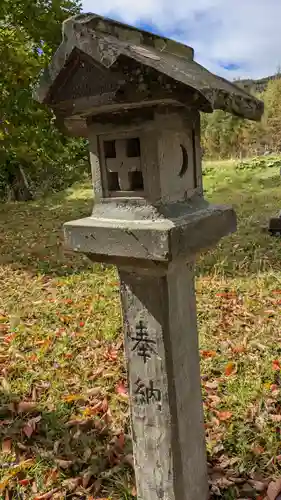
{"x":126,"y":229}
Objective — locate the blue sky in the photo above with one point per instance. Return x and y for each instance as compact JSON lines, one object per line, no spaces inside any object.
{"x":240,"y":38}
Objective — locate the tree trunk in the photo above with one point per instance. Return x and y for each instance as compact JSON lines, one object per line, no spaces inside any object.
{"x":18,"y":188}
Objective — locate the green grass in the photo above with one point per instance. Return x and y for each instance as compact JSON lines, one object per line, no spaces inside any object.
{"x":61,"y":348}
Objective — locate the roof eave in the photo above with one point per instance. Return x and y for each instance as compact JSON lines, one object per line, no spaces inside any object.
{"x":240,"y":104}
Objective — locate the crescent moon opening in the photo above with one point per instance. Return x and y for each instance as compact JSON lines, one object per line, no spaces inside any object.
{"x":184,"y":166}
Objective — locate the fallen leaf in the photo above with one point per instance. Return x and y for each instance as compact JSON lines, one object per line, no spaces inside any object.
{"x":110,"y":374}
{"x":92,"y":410}
{"x":9,"y":338}
{"x":227,"y":295}
{"x":5,"y":385}
{"x":208,"y":354}
{"x":215,"y":422}
{"x":4,"y":482}
{"x":219,"y":482}
{"x":103,"y":498}
{"x":73,"y":397}
{"x":27,"y":407}
{"x":274,"y":489}
{"x":212,"y":385}
{"x":25,"y":482}
{"x":51,"y":476}
{"x":78,"y":421}
{"x":227,"y":462}
{"x":121,"y":389}
{"x":30,"y":426}
{"x":96,"y":487}
{"x":46,"y":496}
{"x":94,"y":391}
{"x":120,"y":442}
{"x":258,"y":485}
{"x":275,"y":418}
{"x":104,"y":405}
{"x":230,"y":368}
{"x":33,"y":357}
{"x":71,"y":483}
{"x":214,"y":400}
{"x":86,"y":478}
{"x":238,"y":349}
{"x":269,"y":311}
{"x":96,"y":374}
{"x":224,"y":415}
{"x":276,"y":365}
{"x":34,"y":488}
{"x":64,"y":464}
{"x":7,"y":445}
{"x":28,"y":430}
{"x":87,"y":454}
{"x":111,"y":354}
{"x":258,"y":450}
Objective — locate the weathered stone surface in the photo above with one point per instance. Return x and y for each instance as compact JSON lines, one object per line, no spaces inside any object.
{"x":131,"y":66}
{"x":163,"y":368}
{"x":140,"y":231}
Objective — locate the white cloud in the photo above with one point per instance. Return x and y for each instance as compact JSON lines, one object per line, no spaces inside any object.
{"x":245,"y":33}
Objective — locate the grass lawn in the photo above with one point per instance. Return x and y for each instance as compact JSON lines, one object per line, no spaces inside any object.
{"x":64,"y":430}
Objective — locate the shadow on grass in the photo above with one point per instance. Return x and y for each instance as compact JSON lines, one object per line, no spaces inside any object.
{"x":31,"y":233}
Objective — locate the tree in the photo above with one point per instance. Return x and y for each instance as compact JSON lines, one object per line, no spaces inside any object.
{"x":30,"y":144}
{"x":225,"y":136}
{"x":272,"y":100}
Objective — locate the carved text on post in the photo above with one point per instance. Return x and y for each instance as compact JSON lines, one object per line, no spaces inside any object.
{"x":144,"y":346}
{"x":146,"y":394}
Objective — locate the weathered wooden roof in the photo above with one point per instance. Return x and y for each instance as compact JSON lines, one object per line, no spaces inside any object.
{"x":103,"y":42}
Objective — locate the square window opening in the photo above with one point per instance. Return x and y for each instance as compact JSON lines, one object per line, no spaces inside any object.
{"x":136,"y":180}
{"x":113,"y":181}
{"x":109,"y":149}
{"x":133,"y":147}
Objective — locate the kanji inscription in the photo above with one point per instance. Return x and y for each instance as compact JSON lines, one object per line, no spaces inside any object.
{"x":146,"y":394}
{"x":143,"y":345}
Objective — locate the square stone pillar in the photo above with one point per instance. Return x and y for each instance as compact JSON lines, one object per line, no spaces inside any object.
{"x":162,"y":354}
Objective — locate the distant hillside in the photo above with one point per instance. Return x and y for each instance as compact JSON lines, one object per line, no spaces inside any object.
{"x":257,"y":85}
{"x":227,"y":136}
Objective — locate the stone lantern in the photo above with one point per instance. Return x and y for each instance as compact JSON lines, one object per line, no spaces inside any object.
{"x":137,"y":97}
